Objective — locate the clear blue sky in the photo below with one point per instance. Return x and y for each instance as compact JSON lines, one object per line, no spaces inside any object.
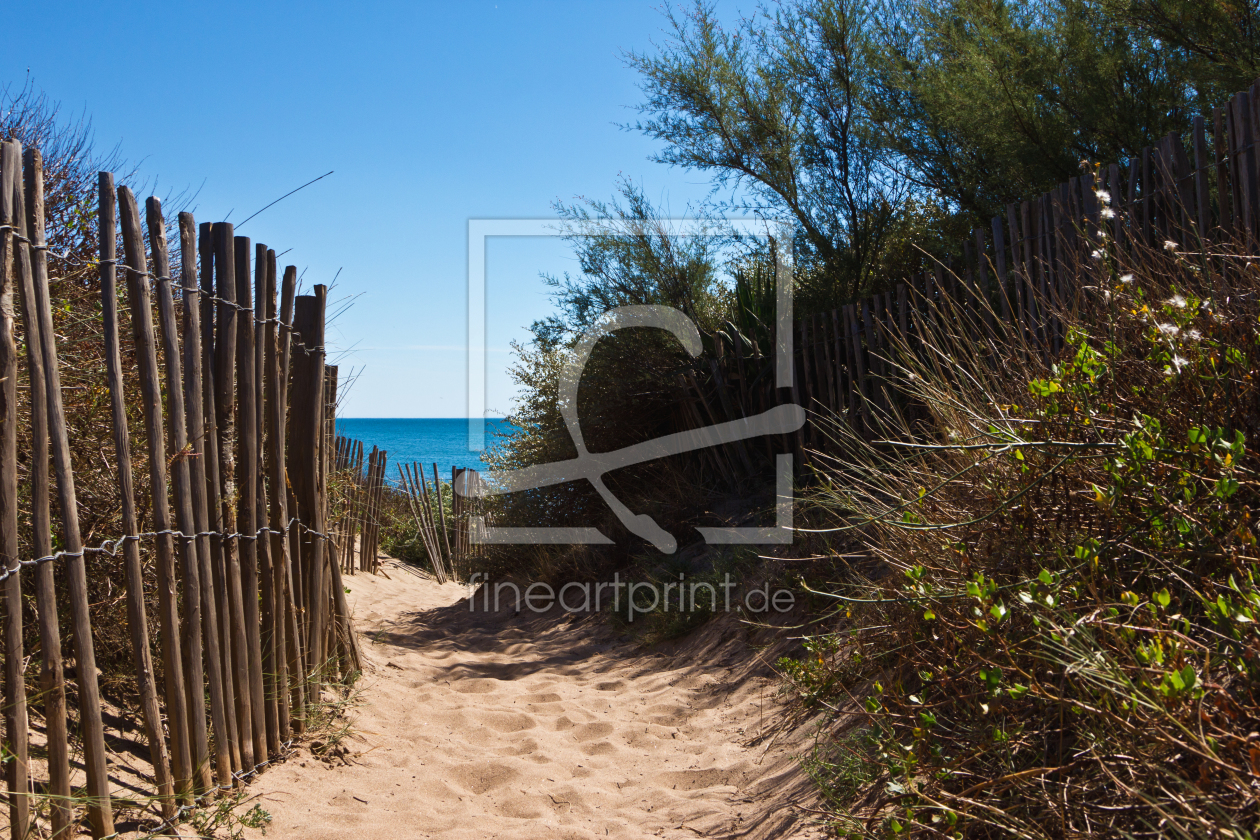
{"x":429,"y":114}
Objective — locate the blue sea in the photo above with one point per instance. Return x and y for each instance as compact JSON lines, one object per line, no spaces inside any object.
{"x":423,"y":440}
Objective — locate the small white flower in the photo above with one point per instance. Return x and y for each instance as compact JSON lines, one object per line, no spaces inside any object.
{"x":1177,"y":302}
{"x":1126,"y":279}
{"x":1108,"y":213}
{"x":1168,"y":329}
{"x":1103,"y":196}
{"x":1098,"y":255}
{"x":1169,"y":245}
{"x":1179,"y":363}
{"x":1194,"y":335}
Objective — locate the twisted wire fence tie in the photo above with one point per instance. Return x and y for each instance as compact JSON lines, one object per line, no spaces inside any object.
{"x":202,"y":294}
{"x":20,"y":237}
{"x":111,"y":547}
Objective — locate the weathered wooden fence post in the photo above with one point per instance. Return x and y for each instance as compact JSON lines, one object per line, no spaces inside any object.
{"x":16,"y":771}
{"x":247,"y":492}
{"x":214,"y":489}
{"x":196,"y":441}
{"x":151,"y":397}
{"x":100,"y":811}
{"x":271,"y":486}
{"x":308,"y":420}
{"x":51,"y":674}
{"x":178,"y":452}
{"x":137,"y":620}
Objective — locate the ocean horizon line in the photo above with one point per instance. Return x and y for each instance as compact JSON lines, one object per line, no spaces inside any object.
{"x":341,"y":417}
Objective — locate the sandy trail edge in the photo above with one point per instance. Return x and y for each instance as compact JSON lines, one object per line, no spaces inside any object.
{"x":483,"y":725}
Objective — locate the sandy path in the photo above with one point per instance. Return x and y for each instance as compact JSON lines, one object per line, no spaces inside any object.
{"x":474,"y":725}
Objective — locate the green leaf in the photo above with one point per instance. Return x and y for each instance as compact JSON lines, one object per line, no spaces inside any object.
{"x":1163,"y":598}
{"x":1044,"y":387}
{"x":1188,"y":676}
{"x":1225,"y":487}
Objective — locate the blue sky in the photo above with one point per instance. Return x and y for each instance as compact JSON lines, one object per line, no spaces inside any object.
{"x":428,"y":113}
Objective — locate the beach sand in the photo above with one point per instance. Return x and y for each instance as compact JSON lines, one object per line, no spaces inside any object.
{"x":469,"y":724}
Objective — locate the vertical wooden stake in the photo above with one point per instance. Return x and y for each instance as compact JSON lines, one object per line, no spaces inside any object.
{"x":247,"y":490}
{"x":1220,"y":145}
{"x":214,"y":485}
{"x":437,"y":487}
{"x":196,"y":436}
{"x":151,"y":397}
{"x":51,"y":675}
{"x":296,"y":650}
{"x":178,"y":451}
{"x":100,"y":811}
{"x":136,"y":619}
{"x":265,"y":353}
{"x":17,"y":770}
{"x":225,"y":421}
{"x":308,"y":416}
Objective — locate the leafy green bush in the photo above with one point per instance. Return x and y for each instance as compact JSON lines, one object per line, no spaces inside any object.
{"x":1064,"y":641}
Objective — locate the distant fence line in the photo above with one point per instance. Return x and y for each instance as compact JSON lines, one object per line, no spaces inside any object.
{"x":1014,"y":279}
{"x":251,"y":608}
{"x":360,"y":511}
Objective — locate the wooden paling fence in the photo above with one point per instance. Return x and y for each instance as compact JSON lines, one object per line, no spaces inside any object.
{"x":359,"y":516}
{"x":1015,"y":279}
{"x":450,"y":555}
{"x":251,"y":609}
{"x":465,"y":504}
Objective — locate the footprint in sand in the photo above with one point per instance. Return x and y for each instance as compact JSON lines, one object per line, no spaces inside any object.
{"x":475,"y":686}
{"x":506,"y":721}
{"x":479,"y":778}
{"x":591,"y":731}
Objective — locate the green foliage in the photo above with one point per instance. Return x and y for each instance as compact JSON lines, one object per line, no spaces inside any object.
{"x":987,"y":102}
{"x":821,"y":670}
{"x":1071,"y":646}
{"x":629,"y":255}
{"x":221,"y":818}
{"x":884,"y":130}
{"x":778,"y":106}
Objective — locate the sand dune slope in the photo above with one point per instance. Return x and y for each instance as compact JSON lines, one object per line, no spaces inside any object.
{"x":475,"y":725}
